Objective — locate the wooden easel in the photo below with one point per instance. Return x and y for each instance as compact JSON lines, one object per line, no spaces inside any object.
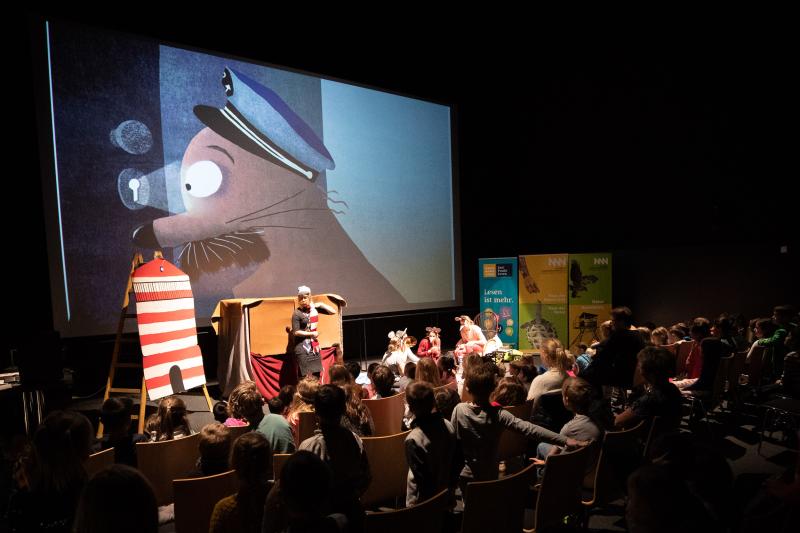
{"x":136,"y":262}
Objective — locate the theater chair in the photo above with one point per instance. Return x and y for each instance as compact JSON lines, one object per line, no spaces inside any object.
{"x":195,"y":499}
{"x":237,"y":431}
{"x":512,"y":444}
{"x":278,"y":460}
{"x":497,"y":506}
{"x":389,"y":468}
{"x":423,"y":517}
{"x":99,"y":461}
{"x":161,"y":462}
{"x":387,"y":414}
{"x":559,"y":493}
{"x":619,"y":456}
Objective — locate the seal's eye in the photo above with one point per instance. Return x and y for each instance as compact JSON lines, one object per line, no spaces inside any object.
{"x":203,"y":179}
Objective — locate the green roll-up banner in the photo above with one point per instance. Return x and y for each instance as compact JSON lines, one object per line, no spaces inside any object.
{"x":589,"y":297}
{"x":542,"y":299}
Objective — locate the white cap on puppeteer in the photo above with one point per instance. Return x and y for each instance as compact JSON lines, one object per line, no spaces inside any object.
{"x":302,"y":289}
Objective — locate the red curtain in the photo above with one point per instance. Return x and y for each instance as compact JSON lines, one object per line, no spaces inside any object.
{"x":274,"y":371}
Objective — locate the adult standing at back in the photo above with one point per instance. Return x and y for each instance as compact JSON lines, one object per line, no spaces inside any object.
{"x":615,"y":358}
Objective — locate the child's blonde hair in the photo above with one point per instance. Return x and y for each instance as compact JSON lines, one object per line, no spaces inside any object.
{"x":555,"y":356}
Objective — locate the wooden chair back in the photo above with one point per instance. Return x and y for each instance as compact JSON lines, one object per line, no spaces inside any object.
{"x":684,"y":348}
{"x":513,"y":444}
{"x":498,"y":505}
{"x":735,"y":370}
{"x":452,"y":385}
{"x":387,"y":414}
{"x":278,"y":460}
{"x":237,"y":431}
{"x":656,"y":429}
{"x":671,"y":348}
{"x":195,"y":499}
{"x":161,"y":462}
{"x":387,"y":461}
{"x":425,"y":516}
{"x":755,"y":364}
{"x":559,"y":493}
{"x":99,"y":461}
{"x":549,"y":411}
{"x":615,"y":459}
{"x":306,"y":425}
{"x":721,"y":380}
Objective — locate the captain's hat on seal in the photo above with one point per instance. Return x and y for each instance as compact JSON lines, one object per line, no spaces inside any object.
{"x":258,"y":120}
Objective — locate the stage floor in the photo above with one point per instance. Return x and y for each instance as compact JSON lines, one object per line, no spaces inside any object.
{"x":196,"y":405}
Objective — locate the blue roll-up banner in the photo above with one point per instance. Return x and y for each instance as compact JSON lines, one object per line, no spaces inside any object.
{"x":498,"y":298}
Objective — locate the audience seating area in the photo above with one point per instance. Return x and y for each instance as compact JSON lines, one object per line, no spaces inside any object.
{"x":569,"y":488}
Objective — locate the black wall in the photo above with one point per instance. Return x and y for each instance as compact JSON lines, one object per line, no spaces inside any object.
{"x":674,"y":154}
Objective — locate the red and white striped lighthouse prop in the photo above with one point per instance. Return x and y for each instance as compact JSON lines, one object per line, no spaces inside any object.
{"x":165,"y":310}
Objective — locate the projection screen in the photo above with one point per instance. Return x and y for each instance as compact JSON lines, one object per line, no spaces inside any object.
{"x":250,"y":178}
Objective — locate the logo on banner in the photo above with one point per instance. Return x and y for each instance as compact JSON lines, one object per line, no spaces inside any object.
{"x":557,"y":262}
{"x":504,"y":270}
{"x":499,"y":270}
{"x":601,"y":260}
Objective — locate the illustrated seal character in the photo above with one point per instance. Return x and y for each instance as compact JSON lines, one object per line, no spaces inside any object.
{"x":255,"y":215}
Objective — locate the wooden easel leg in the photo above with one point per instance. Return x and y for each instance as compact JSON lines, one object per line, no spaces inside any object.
{"x":208,"y":399}
{"x":142,"y":406}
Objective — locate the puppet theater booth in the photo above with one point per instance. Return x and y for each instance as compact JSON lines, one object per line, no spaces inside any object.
{"x":254,"y":341}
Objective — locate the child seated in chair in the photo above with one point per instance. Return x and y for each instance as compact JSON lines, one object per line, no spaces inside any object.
{"x":431,"y":451}
{"x":446,"y":401}
{"x":118,"y":498}
{"x":170,"y":421}
{"x":478,"y":426}
{"x":251,"y":458}
{"x":116,"y":418}
{"x":660,"y":398}
{"x":214,"y":447}
{"x":301,"y":501}
{"x":236,"y":410}
{"x":383,"y":382}
{"x":273,"y":425}
{"x":342,"y":451}
{"x":577,"y":395}
{"x":556,"y":360}
{"x":220,"y":411}
{"x":302,"y":402}
{"x":509,"y":392}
